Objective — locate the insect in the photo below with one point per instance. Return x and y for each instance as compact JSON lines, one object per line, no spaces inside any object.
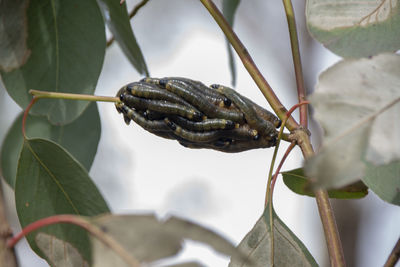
{"x":198,"y":116}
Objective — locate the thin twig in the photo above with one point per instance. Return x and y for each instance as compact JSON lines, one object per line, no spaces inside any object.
{"x":46,"y":94}
{"x":131,"y":15}
{"x":274,"y":178}
{"x":249,"y":64}
{"x":394,"y":256}
{"x":294,"y":42}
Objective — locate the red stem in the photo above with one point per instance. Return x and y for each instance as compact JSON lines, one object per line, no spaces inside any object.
{"x":41,"y":223}
{"x":289,"y":113}
{"x":26,"y":112}
{"x":274,"y":178}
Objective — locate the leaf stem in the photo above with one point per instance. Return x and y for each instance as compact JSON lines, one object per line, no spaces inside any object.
{"x":26,"y":112}
{"x":81,"y":222}
{"x":394,"y":256}
{"x":45,"y":94}
{"x":249,"y":64}
{"x":294,"y":42}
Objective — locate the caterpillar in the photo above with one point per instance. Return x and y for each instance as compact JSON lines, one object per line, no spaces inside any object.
{"x":197,"y":116}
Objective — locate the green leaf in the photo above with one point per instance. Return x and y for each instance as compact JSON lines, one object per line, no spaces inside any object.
{"x":355,"y":28}
{"x":80,"y":138}
{"x":49,"y":182}
{"x":67,"y":43}
{"x":357,"y":104}
{"x":229,"y":8}
{"x":288,"y":249}
{"x":13,"y":34}
{"x":149,"y":239}
{"x":384,"y":181}
{"x":117,"y":19}
{"x":296,"y":181}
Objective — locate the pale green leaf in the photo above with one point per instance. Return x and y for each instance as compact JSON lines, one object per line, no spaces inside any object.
{"x":149,"y":239}
{"x":384,"y":181}
{"x":58,"y":252}
{"x":288,"y":249}
{"x":355,"y":28}
{"x":356,"y":103}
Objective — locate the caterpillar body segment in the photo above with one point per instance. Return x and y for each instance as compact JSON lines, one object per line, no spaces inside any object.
{"x":265,"y":127}
{"x":154,"y":126}
{"x":201,"y":103}
{"x":195,"y":137}
{"x":161,"y":106}
{"x":211,"y":94}
{"x":205,"y":125}
{"x":151,"y":91}
{"x":264,"y":114}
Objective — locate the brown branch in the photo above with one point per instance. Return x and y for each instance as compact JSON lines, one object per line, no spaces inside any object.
{"x":249,"y":64}
{"x":294,"y":42}
{"x":394,"y":255}
{"x":7,"y":255}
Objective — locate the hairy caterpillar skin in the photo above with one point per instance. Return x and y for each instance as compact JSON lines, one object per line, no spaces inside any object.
{"x":197,"y":116}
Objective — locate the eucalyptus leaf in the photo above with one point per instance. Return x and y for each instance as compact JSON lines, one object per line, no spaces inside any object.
{"x":50,"y":182}
{"x":296,"y":181}
{"x":13,"y":34}
{"x":384,"y":181}
{"x":67,"y":44}
{"x":117,"y":19}
{"x":80,"y":138}
{"x":229,"y":8}
{"x":288,"y":249}
{"x":355,"y":28}
{"x":149,"y":239}
{"x":58,"y":252}
{"x":357,"y":104}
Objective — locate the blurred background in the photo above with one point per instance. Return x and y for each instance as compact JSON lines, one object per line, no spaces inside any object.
{"x":138,"y":172}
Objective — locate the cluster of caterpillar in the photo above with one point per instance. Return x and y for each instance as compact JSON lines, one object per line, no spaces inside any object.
{"x":198,"y":116}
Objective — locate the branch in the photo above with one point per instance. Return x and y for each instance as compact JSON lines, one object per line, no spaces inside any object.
{"x":394,"y":255}
{"x":324,"y":207}
{"x":7,"y":255}
{"x":294,"y":42}
{"x":249,"y":64}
